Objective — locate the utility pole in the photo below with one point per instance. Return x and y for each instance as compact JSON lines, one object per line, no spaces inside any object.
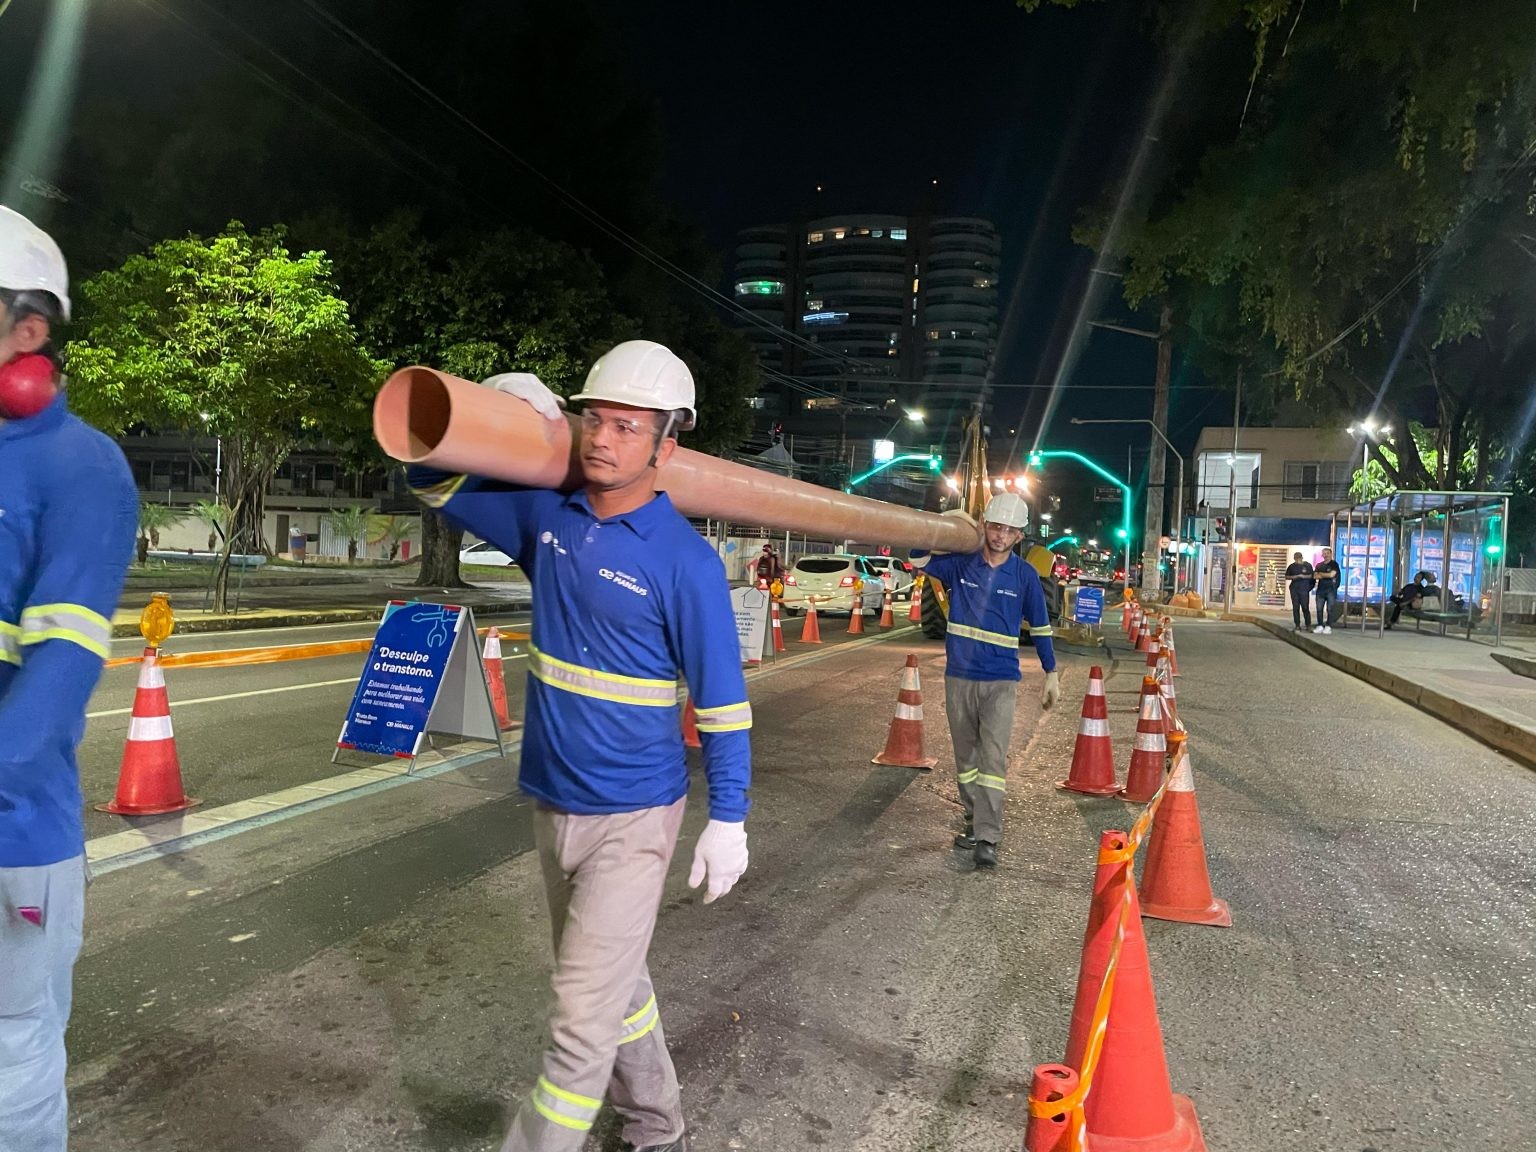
{"x":1151,"y":545}
{"x":1231,"y":564}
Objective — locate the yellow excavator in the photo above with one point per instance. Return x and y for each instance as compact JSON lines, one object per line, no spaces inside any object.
{"x":975,"y":491}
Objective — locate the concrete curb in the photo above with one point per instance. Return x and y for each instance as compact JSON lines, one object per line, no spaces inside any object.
{"x":1514,"y":741}
{"x":1519,"y":665}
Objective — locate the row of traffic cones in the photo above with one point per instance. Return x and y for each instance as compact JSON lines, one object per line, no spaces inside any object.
{"x":1129,"y":1101}
{"x":149,"y":780}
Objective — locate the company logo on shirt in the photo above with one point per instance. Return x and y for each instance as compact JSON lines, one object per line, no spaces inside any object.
{"x":969,"y":583}
{"x":623,"y":580}
{"x":1007,"y":592}
{"x":554,"y":541}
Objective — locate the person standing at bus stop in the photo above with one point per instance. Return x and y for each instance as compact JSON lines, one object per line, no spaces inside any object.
{"x":1326,"y":573}
{"x":626,"y":594}
{"x":69,"y":512}
{"x":992,"y":593}
{"x":1299,"y":576}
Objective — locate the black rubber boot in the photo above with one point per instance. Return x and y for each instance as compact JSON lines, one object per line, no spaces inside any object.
{"x":986,"y":854}
{"x":967,"y":839}
{"x":678,"y":1145}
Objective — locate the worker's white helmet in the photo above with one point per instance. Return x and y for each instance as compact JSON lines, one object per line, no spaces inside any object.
{"x":1007,"y":508}
{"x":644,"y":374}
{"x":29,"y":259}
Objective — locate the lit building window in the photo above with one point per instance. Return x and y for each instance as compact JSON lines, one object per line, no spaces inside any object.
{"x":914,"y":285}
{"x":932,"y":333}
{"x":898,"y":233}
{"x":814,"y":305}
{"x":818,"y":403}
{"x":839,"y":234}
{"x":823,"y":317}
{"x":981,"y":282}
{"x":759,"y":287}
{"x":814,"y":237}
{"x":757,"y":402}
{"x":877,"y":233}
{"x":862,"y":232}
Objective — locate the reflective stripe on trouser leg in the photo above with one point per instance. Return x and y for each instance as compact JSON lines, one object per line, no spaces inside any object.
{"x":603,"y":877}
{"x":982,"y":710}
{"x":962,"y":734}
{"x":36,"y":973}
{"x":644,"y":1087}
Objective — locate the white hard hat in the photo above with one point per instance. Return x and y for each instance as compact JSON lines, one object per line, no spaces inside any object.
{"x":644,"y":374}
{"x":29,"y":259}
{"x":1007,"y":508}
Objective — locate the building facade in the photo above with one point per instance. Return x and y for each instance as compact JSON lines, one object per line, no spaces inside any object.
{"x":891,"y":326}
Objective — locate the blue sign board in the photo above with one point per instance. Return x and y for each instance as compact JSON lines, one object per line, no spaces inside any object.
{"x":1090,"y":606}
{"x":401,"y":680}
{"x":1352,"y":550}
{"x":1464,"y":573}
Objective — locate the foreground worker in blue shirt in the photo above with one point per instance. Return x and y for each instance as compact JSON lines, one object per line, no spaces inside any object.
{"x":991,"y":593}
{"x":68,"y":514}
{"x":626,"y":594}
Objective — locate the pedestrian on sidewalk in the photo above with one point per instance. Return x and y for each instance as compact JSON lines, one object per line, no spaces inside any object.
{"x":1326,"y":573}
{"x":991,"y":594}
{"x":1300,"y":576}
{"x":68,"y":517}
{"x":626,"y":594}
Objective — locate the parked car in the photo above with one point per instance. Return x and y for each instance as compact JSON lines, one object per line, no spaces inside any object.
{"x":903,"y":575}
{"x":486,"y":554}
{"x":832,"y":580}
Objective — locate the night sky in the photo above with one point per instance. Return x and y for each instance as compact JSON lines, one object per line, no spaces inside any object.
{"x":1023,"y":118}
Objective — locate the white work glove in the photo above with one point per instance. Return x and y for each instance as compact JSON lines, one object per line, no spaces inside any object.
{"x":530,"y":389}
{"x":722,"y":853}
{"x":1052,"y":690}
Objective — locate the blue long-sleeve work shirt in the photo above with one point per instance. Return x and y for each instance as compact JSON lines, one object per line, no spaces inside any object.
{"x":987,"y":609}
{"x":68,"y":516}
{"x":620,"y":607}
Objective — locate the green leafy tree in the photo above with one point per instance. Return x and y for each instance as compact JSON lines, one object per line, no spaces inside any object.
{"x":391,"y":531}
{"x":508,"y":301}
{"x":153,"y":520}
{"x":351,"y":524}
{"x":232,"y":334}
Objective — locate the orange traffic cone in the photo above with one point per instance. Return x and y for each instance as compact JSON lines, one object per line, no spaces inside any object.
{"x":1144,"y":636}
{"x":915,"y":605}
{"x":1175,"y":884}
{"x":1154,"y":646}
{"x":856,"y":615}
{"x":1150,"y":757}
{"x":778,"y":627}
{"x":904,"y":744}
{"x":149,"y":783}
{"x":1171,"y":722}
{"x":1135,"y":633}
{"x":1125,"y":616}
{"x":887,"y":620}
{"x":494,"y":677}
{"x":1130,"y":1102}
{"x":1050,"y":1131}
{"x":1173,"y":655}
{"x":691,"y":726}
{"x":1093,"y":759}
{"x":810,"y":631}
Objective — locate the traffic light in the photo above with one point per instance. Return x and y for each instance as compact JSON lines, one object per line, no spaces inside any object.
{"x":1119,"y":533}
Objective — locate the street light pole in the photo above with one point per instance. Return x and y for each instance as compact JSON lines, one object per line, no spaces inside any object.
{"x":1178,"y":515}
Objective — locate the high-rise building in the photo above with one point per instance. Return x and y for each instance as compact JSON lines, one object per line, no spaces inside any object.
{"x":863,"y":321}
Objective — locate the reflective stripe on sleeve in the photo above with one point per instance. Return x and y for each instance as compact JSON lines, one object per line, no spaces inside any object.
{"x":996,"y":783}
{"x":570,"y":677}
{"x":966,"y":777}
{"x":72,"y":622}
{"x":1043,"y":630}
{"x":437,"y":495}
{"x":10,"y":643}
{"x":984,"y":637}
{"x":641,"y":1022}
{"x":726,"y":718}
{"x":566,"y":1109}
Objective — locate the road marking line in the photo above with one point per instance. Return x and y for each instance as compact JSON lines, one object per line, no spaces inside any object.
{"x":194,"y":828}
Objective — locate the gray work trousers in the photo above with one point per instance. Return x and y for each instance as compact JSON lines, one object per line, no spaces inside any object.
{"x":981,"y":728}
{"x":603,"y":878}
{"x":42,"y":914}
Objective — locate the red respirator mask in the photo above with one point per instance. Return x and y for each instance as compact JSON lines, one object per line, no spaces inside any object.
{"x":27,"y":386}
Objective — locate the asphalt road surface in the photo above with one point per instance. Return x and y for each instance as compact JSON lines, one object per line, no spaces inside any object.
{"x":374,"y":975}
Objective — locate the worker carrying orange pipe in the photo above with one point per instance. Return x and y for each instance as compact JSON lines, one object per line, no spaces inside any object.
{"x":626,"y":593}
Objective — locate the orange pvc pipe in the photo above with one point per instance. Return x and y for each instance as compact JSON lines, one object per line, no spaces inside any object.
{"x":422,"y":416}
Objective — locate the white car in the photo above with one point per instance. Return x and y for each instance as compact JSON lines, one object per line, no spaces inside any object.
{"x":833,"y":581}
{"x":486,"y":554}
{"x":901,"y":572}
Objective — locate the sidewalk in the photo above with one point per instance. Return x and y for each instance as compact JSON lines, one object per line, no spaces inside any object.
{"x":1454,"y":680}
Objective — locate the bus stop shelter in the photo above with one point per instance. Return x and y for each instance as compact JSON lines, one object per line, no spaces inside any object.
{"x":1457,"y":537}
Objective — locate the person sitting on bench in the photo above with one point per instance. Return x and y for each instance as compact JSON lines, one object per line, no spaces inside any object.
{"x":1409,"y":596}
